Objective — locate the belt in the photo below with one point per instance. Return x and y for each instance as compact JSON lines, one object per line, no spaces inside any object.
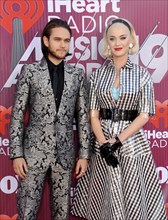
{"x":116,"y":114}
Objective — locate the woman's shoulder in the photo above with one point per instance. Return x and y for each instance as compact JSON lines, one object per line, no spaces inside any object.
{"x":143,"y":71}
{"x":102,"y":70}
{"x":144,"y":75}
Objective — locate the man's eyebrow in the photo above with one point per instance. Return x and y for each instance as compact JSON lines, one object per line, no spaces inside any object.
{"x":61,"y":38}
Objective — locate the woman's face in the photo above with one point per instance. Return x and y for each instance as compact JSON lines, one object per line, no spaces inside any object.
{"x":119,"y":39}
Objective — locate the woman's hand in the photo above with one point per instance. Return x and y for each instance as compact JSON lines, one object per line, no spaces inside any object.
{"x":111,"y":140}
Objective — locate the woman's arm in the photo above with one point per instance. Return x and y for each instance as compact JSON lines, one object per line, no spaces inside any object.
{"x":96,"y":126}
{"x":135,"y":126}
{"x":146,"y":108}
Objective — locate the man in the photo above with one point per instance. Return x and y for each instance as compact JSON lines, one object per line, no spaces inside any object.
{"x":54,"y":92}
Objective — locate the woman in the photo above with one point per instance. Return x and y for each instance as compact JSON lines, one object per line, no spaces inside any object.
{"x":121,"y":182}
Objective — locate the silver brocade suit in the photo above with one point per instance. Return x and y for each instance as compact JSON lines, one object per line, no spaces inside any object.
{"x":47,"y":142}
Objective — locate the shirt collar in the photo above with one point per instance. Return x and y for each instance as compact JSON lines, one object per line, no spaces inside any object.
{"x":128,"y":64}
{"x":51,"y":65}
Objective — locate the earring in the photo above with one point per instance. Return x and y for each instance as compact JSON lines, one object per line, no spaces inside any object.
{"x":130,"y":46}
{"x":109,"y":51}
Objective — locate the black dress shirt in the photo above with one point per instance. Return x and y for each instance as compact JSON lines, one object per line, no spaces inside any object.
{"x":57,"y":80}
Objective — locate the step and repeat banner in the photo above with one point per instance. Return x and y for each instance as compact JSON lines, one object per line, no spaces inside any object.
{"x":21,"y":24}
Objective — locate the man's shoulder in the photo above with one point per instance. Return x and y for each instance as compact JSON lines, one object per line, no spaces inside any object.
{"x":37,"y":64}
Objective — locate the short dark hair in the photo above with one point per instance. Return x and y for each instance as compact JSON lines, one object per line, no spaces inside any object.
{"x":47,"y":32}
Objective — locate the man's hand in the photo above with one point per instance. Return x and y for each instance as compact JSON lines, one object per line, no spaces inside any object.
{"x":20,"y":167}
{"x":81,"y":167}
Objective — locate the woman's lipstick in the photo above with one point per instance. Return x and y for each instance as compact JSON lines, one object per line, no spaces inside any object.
{"x":118,"y":49}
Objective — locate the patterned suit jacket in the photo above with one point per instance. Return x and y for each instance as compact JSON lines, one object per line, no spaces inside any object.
{"x":47,"y":132}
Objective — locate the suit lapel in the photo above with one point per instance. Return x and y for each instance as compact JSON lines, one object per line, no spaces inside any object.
{"x":47,"y":90}
{"x":45,"y":83}
{"x":44,"y":75}
{"x":68,"y":82}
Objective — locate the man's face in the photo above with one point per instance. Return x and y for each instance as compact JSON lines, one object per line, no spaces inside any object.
{"x":58,"y":44}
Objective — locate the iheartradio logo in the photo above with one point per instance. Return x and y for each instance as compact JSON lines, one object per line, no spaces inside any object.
{"x":6,"y":217}
{"x":28,"y":11}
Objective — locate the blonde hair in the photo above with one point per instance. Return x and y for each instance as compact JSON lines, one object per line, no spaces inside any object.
{"x":133,"y":50}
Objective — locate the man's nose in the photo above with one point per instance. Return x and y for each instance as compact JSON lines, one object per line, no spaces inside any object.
{"x":62,"y":43}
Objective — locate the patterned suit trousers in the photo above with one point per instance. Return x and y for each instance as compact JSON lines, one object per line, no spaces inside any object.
{"x":31,"y":189}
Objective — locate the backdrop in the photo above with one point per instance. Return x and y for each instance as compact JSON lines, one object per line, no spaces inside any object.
{"x":21,"y":23}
